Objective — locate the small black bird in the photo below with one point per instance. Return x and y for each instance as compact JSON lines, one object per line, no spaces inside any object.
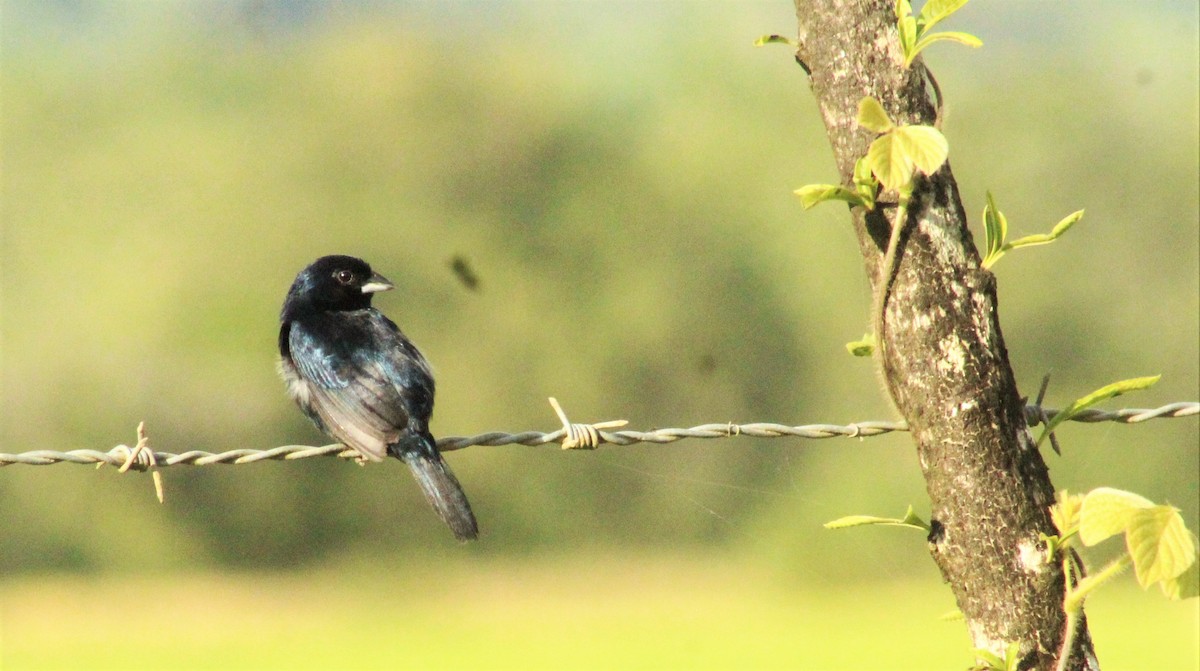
{"x":357,"y":377}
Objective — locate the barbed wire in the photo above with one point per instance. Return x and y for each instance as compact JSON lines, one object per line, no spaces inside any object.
{"x":571,"y":436}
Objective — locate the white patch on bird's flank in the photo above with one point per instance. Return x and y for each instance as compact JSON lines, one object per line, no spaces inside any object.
{"x":1032,"y":557}
{"x":297,"y":388}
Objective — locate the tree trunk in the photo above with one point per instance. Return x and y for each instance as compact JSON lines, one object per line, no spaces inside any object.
{"x":942,"y":353}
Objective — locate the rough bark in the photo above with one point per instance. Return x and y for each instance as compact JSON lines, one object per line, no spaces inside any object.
{"x":943,"y":357}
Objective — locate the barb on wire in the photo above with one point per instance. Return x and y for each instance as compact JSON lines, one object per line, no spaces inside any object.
{"x":587,"y":436}
{"x":582,"y":436}
{"x":1044,"y":417}
{"x":140,"y":457}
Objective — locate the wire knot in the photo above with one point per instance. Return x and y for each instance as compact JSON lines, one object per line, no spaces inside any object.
{"x":139,"y":458}
{"x":582,"y":436}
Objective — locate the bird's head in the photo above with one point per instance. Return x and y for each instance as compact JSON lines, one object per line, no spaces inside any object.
{"x":333,"y":283}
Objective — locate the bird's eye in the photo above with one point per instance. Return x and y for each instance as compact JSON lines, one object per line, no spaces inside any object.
{"x":344,"y":276}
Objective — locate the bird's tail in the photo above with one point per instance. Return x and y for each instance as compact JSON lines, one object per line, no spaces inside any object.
{"x":439,"y":485}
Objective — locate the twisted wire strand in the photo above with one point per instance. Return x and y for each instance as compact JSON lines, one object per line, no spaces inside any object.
{"x":139,"y":458}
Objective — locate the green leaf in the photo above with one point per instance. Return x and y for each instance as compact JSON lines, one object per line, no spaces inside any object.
{"x":858,"y":521}
{"x":914,"y":32}
{"x":867,"y":194}
{"x":1012,"y":657}
{"x":1065,"y":513}
{"x":895,"y":156}
{"x":1160,"y":544}
{"x":935,"y":11}
{"x":1100,"y":395}
{"x":925,"y":146}
{"x":1046,"y":238}
{"x":965,"y":39}
{"x":910,"y":519}
{"x":1066,"y":223}
{"x":776,"y":39}
{"x":865,"y":183}
{"x":907,"y":27}
{"x":872,"y":116}
{"x":813,"y":194}
{"x":995,"y":231}
{"x":989,"y":661}
{"x":952,"y":615}
{"x":862,"y":171}
{"x":1107,"y":512}
{"x":864,"y":347}
{"x":888,"y":162}
{"x":1184,"y":586}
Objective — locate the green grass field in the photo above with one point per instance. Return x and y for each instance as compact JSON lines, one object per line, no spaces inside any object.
{"x":609,"y":613}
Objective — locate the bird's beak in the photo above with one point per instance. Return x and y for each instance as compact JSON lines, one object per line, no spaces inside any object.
{"x":377,"y":283}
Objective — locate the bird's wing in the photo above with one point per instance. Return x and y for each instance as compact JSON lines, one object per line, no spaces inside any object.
{"x":349,"y":386}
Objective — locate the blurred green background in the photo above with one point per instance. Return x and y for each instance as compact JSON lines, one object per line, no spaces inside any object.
{"x":619,"y":177}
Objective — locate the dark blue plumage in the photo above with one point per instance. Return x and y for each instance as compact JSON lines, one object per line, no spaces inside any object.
{"x":361,"y":381}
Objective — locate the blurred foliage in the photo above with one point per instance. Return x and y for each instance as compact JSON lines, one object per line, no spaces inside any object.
{"x":514,"y":614}
{"x":622,"y":191}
